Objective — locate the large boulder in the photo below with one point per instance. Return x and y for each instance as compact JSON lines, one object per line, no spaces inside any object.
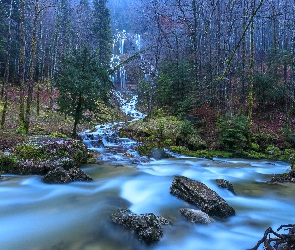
{"x":146,"y":226}
{"x":195,"y":216}
{"x":200,"y":195}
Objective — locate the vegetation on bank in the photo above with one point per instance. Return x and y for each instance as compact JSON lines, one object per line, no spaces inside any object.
{"x":233,"y":138}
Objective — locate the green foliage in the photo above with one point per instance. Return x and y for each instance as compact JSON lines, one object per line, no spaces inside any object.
{"x":200,"y":153}
{"x":173,"y":86}
{"x":254,"y":146}
{"x":166,"y":131}
{"x":233,"y":132}
{"x":81,"y":82}
{"x":30,"y":152}
{"x":101,"y":30}
{"x":7,"y":162}
{"x":273,"y":151}
{"x":267,"y":89}
{"x":263,"y":140}
{"x":58,"y":134}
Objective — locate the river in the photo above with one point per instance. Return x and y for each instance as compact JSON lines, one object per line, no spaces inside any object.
{"x":75,"y":216}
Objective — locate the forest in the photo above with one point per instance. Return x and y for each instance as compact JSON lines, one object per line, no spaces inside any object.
{"x":170,"y":119}
{"x":223,"y":67}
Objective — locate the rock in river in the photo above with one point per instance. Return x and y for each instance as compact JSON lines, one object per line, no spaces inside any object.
{"x":146,"y":226}
{"x":225,"y":184}
{"x":200,"y":195}
{"x":59,"y":176}
{"x":195,"y":216}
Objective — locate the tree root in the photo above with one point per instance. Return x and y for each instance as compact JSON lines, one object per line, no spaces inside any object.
{"x":281,"y":242}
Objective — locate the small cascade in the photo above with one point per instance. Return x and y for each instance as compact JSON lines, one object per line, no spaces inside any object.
{"x":106,"y":141}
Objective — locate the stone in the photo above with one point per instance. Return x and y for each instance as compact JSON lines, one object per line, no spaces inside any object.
{"x":60,"y":176}
{"x":57,"y":176}
{"x":157,"y":153}
{"x":225,"y":184}
{"x":201,"y":196}
{"x":195,"y":216}
{"x":147,"y":226}
{"x":76,"y":174}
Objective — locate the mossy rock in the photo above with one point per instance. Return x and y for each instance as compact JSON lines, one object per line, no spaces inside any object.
{"x":38,"y":155}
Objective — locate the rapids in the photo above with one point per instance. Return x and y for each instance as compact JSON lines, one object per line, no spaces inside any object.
{"x":75,"y":216}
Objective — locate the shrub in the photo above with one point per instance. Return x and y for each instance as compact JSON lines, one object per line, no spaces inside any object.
{"x":233,"y":132}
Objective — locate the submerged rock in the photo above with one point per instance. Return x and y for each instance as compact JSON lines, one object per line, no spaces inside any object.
{"x":200,"y":195}
{"x":146,"y":226}
{"x":60,"y":176}
{"x":225,"y":184}
{"x":195,"y":216}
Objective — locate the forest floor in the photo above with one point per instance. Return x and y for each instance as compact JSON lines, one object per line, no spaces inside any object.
{"x":49,"y":121}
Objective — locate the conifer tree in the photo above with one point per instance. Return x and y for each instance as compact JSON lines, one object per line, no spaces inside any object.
{"x":81,"y":83}
{"x":101,"y":31}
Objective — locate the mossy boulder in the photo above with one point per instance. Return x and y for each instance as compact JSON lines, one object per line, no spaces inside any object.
{"x":163,"y":132}
{"x":39,"y":155}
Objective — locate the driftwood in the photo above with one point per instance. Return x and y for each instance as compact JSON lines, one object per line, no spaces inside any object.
{"x":281,"y":242}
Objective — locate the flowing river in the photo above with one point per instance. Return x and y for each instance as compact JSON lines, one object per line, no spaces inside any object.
{"x":75,"y":216}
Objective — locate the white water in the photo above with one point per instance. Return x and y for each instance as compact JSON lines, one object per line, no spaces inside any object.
{"x":75,"y":216}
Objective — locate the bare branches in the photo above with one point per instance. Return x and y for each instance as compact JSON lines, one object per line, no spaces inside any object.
{"x":287,"y":240}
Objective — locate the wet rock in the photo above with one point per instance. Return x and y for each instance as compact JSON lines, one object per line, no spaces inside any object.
{"x":285,"y":177}
{"x":76,"y":174}
{"x":195,"y":216}
{"x":225,"y":184}
{"x":157,"y":153}
{"x":60,"y":176}
{"x":146,"y":226}
{"x":200,"y":195}
{"x":57,"y":176}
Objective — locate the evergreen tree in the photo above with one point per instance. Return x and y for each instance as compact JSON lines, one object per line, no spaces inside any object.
{"x":81,"y":83}
{"x":101,"y":31}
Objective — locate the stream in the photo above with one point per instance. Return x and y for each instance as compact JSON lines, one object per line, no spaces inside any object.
{"x":75,"y":216}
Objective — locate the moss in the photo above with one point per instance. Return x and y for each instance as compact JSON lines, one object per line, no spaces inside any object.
{"x":201,"y":153}
{"x":165,"y":132}
{"x":7,"y":163}
{"x":58,"y":134}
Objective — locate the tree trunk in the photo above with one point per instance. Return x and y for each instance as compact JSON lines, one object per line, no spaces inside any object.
{"x":7,"y":64}
{"x":251,"y":70}
{"x":32,"y":67}
{"x":22,"y":67}
{"x":78,"y":112}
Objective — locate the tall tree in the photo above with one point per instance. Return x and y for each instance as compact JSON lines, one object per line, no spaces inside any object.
{"x":81,"y":83}
{"x":101,"y":31}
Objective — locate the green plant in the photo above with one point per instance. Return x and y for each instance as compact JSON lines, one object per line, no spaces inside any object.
{"x":273,"y":151}
{"x":58,"y":134}
{"x":233,"y":132}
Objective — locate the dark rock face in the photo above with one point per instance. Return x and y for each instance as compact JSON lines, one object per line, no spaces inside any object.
{"x":195,"y":216}
{"x":59,"y":176}
{"x":146,"y":226}
{"x":225,"y":184}
{"x":200,"y":195}
{"x":286,"y":177}
{"x":77,"y":174}
{"x":157,"y":153}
